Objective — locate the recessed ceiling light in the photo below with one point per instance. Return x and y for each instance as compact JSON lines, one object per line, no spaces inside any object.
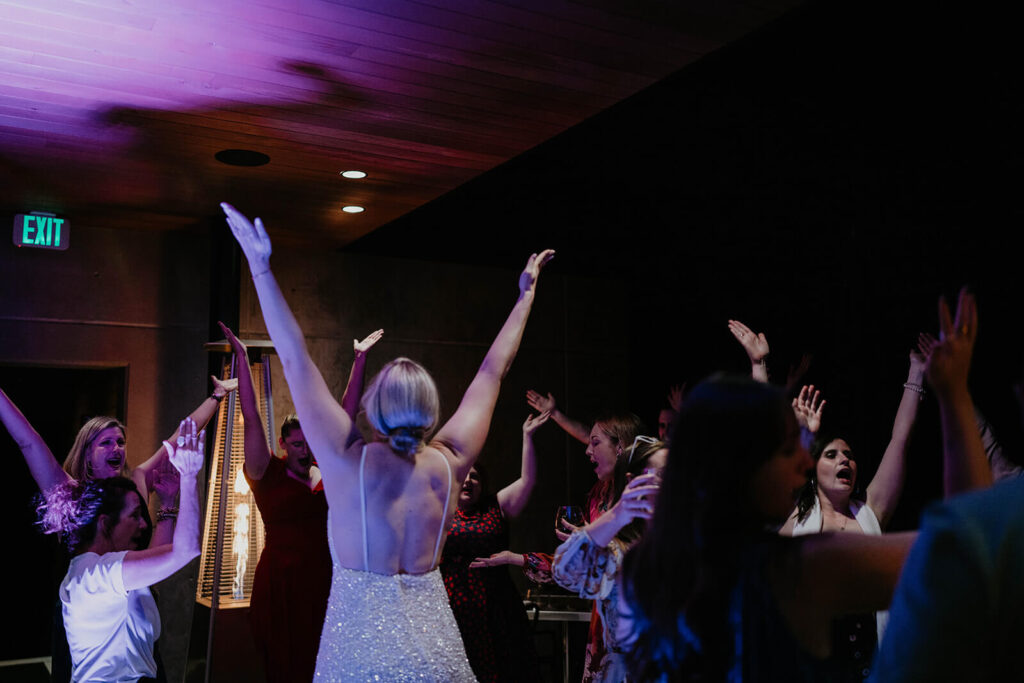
{"x":354,"y":175}
{"x":241,"y":157}
{"x":353,"y":209}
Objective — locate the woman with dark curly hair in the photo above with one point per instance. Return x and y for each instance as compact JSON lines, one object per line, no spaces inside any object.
{"x":109,"y":614}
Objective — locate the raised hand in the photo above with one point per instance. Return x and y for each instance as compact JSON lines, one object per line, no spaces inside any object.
{"x":542,"y":404}
{"x":528,"y":278}
{"x":638,"y":498}
{"x":808,"y":406}
{"x":187,"y":457}
{"x":361,"y":347}
{"x":251,"y":237}
{"x":918,"y":361}
{"x":236,"y":344}
{"x":533,"y":422}
{"x":675,"y":397}
{"x":949,"y":362}
{"x":223,"y":387}
{"x":925,"y":344}
{"x":166,"y":482}
{"x":755,"y":345}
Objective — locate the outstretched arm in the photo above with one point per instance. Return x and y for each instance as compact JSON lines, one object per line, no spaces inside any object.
{"x":144,"y":474}
{"x":354,"y":388}
{"x":146,"y":567}
{"x":546,"y":404}
{"x":513,"y":498}
{"x":257,"y":451}
{"x":42,"y":465}
{"x":756,"y":346}
{"x":467,"y":429}
{"x":964,"y":464}
{"x":324,"y":422}
{"x":887,"y":485}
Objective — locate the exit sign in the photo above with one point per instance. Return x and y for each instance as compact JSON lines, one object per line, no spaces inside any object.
{"x":41,"y":230}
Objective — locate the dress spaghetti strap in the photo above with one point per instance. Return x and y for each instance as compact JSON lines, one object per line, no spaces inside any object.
{"x":444,"y":514}
{"x":362,"y":507}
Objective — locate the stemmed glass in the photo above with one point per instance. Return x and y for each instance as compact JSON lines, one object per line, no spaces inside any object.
{"x":572,"y":514}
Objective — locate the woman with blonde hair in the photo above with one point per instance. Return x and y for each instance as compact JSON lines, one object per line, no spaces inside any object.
{"x":111,"y":619}
{"x":99,"y":452}
{"x":390,"y":500}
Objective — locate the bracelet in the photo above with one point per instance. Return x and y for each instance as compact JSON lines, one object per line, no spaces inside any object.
{"x":217,"y":398}
{"x":262,"y":272}
{"x":914,"y":387}
{"x":166,"y":513}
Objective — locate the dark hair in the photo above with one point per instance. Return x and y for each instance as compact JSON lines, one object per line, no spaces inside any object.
{"x":72,"y":510}
{"x":486,"y":498}
{"x":633,"y":463}
{"x":678,"y":579}
{"x":289,"y":425}
{"x":809,"y":491}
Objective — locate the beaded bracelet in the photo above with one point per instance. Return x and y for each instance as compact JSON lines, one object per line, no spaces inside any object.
{"x":914,"y":387}
{"x":164,"y":514}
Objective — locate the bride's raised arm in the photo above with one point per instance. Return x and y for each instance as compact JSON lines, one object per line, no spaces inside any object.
{"x":324,"y":423}
{"x":464,"y":434}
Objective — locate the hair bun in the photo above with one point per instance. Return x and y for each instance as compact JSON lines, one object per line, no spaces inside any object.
{"x":406,"y":440}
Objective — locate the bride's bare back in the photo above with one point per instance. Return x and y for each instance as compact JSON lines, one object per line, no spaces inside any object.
{"x":405,"y":507}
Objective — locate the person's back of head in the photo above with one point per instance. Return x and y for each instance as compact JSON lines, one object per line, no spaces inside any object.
{"x":402,"y":405}
{"x":679,"y":577}
{"x":638,"y":458}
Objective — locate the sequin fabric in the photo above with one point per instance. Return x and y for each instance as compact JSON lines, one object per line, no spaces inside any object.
{"x":390,"y":628}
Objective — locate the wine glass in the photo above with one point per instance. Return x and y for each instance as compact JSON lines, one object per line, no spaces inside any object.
{"x":573,"y":514}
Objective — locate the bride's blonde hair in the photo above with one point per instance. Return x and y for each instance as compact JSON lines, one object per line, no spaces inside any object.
{"x":401,"y":403}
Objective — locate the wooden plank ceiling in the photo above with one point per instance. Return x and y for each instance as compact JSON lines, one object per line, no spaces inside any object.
{"x":111,"y":111}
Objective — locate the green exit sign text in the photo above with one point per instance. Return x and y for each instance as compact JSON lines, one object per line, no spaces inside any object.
{"x":42,"y":231}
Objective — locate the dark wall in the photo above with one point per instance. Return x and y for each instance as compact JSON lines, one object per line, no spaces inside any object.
{"x":823,"y":180}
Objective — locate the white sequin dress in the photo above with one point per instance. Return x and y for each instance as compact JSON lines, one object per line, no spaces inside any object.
{"x":396,"y":627}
